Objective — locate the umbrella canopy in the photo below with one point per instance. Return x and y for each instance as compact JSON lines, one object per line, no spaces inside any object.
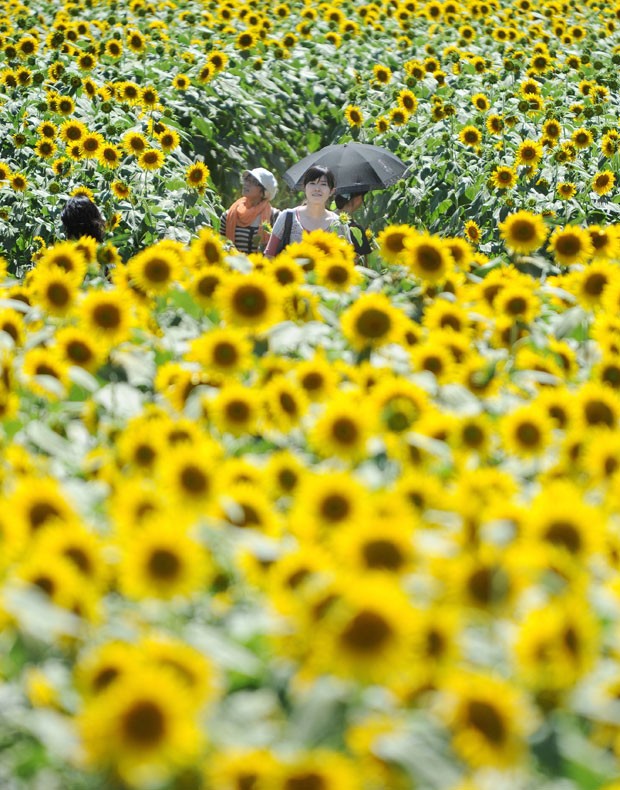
{"x":356,"y":166}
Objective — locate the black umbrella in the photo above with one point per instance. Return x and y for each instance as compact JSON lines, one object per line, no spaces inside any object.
{"x":356,"y":166}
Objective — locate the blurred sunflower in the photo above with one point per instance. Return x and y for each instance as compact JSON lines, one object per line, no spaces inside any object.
{"x":523,"y":231}
{"x":570,"y":244}
{"x":142,"y":728}
{"x":371,"y":321}
{"x":162,"y":562}
{"x":250,"y":300}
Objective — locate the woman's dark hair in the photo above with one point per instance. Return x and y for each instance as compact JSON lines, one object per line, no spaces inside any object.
{"x":342,"y":199}
{"x":318,"y":171}
{"x":80,"y":217}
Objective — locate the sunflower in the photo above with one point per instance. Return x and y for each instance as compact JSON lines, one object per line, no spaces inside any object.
{"x":285,"y":403}
{"x":217,"y":60}
{"x":245,"y":506}
{"x":168,"y":140}
{"x":236,"y":409}
{"x":162,"y":562}
{"x":72,"y":131}
{"x":605,"y":241}
{"x":120,"y":189}
{"x":591,"y":283}
{"x":100,"y":667}
{"x":566,"y":190}
{"x":138,"y":447}
{"x":317,"y":377}
{"x":37,"y":503}
{"x":603,"y":182}
{"x":471,"y":136}
{"x":12,"y":324}
{"x":472,"y":231}
{"x":562,"y":520}
{"x":320,"y":768}
{"x":382,"y":124}
{"x":523,"y":231}
{"x":517,"y":302}
{"x":107,"y":314}
{"x":488,"y":717}
{"x":570,"y":244}
{"x":18,"y":182}
{"x":155,"y":269}
{"x":204,"y":284}
{"x":109,"y":156}
{"x":65,"y":106}
{"x":428,"y":257}
{"x":526,"y":431}
{"x":207,"y":249}
{"x":188,"y":666}
{"x":529,"y":153}
{"x":407,"y":101}
{"x":149,"y":98}
{"x":342,"y":429}
{"x":128,"y":92}
{"x":398,"y":116}
{"x":189,"y":475}
{"x":353,"y":115}
{"x":113,"y":49}
{"x":391,"y":241}
{"x":136,"y":41}
{"x":78,"y":348}
{"x":197,"y":175}
{"x":206,"y":73}
{"x":57,"y":580}
{"x":54,"y":290}
{"x":76,"y":544}
{"x":337,"y":274}
{"x":250,"y":300}
{"x":504,"y":177}
{"x":233,"y":768}
{"x":134,"y":143}
{"x":45,"y":374}
{"x":556,"y":644}
{"x":598,"y":406}
{"x":371,"y":321}
{"x":364,"y":631}
{"x":380,"y":545}
{"x":285,"y":271}
{"x":582,"y":138}
{"x":382,"y":74}
{"x":151,"y":159}
{"x":91,"y":145}
{"x":141,"y":728}
{"x":225,"y":350}
{"x":181,"y":82}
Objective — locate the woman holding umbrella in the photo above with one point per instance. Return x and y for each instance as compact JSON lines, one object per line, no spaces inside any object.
{"x":318,"y":184}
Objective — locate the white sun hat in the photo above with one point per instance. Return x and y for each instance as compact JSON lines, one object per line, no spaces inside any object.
{"x":266,"y":179}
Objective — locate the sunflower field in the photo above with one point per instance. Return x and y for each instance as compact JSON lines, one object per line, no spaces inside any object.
{"x":300,"y":523}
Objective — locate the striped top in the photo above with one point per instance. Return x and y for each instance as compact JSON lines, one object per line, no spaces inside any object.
{"x":247,"y":239}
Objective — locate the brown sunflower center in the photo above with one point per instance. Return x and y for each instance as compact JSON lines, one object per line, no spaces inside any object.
{"x":367,"y":633}
{"x":164,"y":564}
{"x":144,"y":724}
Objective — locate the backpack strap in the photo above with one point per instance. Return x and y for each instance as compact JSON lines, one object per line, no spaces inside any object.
{"x":288,"y":224}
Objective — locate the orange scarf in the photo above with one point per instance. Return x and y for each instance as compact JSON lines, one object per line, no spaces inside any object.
{"x":243,"y":215}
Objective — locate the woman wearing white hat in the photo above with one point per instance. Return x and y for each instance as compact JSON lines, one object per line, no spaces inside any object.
{"x":247,"y":223}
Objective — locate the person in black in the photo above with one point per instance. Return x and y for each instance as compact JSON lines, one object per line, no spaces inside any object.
{"x":81,"y":217}
{"x":350,"y":202}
